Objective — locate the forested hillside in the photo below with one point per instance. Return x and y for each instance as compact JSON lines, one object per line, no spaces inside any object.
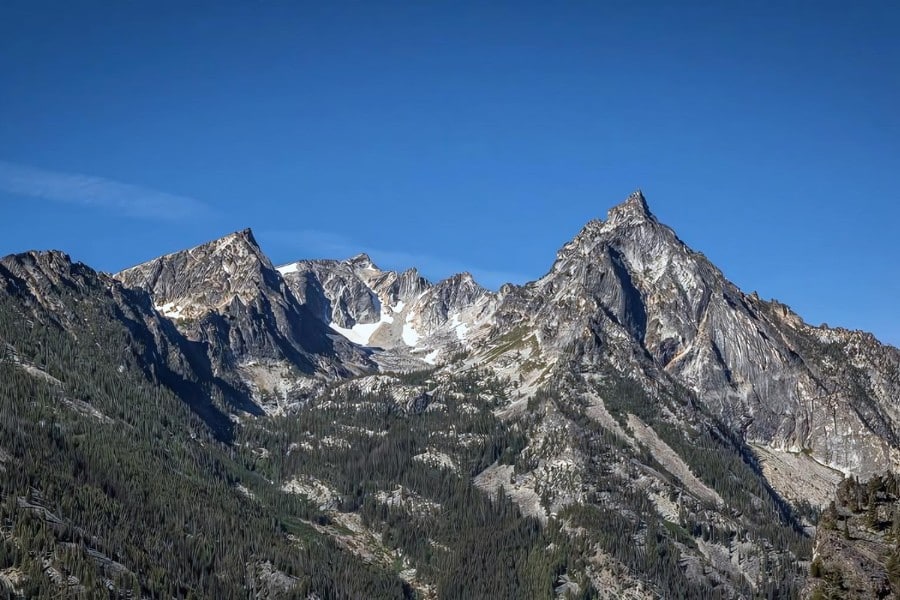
{"x":110,"y":484}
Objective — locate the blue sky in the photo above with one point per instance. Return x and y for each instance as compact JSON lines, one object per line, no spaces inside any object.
{"x":463,"y":136}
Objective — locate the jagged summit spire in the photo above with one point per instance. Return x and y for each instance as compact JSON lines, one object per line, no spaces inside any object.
{"x":361,"y":261}
{"x":241,"y":241}
{"x":241,"y":238}
{"x":637,"y":196}
{"x":634,"y":209}
{"x":245,"y":234}
{"x":461,"y":278}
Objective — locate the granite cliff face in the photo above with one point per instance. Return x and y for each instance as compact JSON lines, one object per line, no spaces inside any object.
{"x":625,"y":292}
{"x":628,"y":291}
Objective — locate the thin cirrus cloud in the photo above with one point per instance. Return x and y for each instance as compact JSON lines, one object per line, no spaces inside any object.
{"x":327,"y":244}
{"x":98,"y":193}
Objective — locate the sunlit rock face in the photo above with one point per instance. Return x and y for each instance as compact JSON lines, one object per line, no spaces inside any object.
{"x":627,"y":292}
{"x":651,"y":302}
{"x":227,"y":295}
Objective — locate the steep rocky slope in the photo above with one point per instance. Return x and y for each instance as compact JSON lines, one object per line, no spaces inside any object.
{"x":226,"y":295}
{"x":49,"y":289}
{"x":120,"y":472}
{"x":626,"y":291}
{"x":634,"y":335}
{"x":401,"y":313}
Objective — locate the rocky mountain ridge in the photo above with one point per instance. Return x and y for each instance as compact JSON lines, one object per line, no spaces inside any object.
{"x":227,"y":296}
{"x":400,"y":312}
{"x":640,"y":298}
{"x":625,"y":291}
{"x":48,"y":288}
{"x":631,"y":393}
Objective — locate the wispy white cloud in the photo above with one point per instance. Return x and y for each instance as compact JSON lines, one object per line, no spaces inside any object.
{"x":96,"y":192}
{"x":325,"y":244}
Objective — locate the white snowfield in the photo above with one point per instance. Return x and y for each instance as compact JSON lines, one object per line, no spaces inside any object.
{"x":171,"y":310}
{"x":410,"y":335}
{"x":288,"y":268}
{"x":361,"y":333}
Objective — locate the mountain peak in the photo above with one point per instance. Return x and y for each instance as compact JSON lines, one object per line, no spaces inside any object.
{"x":246,"y":233}
{"x":49,"y":264}
{"x":461,"y":283}
{"x":633,"y":209}
{"x":207,"y":276}
{"x":362,"y":261}
{"x":241,"y":240}
{"x":48,"y":256}
{"x":243,"y":236}
{"x":463,"y":278}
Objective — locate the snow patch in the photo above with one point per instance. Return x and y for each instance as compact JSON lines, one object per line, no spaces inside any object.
{"x":398,"y":307}
{"x":361,"y":333}
{"x":431,"y":357}
{"x":410,"y":335}
{"x":285,"y":269}
{"x":459,"y":327}
{"x":171,"y":310}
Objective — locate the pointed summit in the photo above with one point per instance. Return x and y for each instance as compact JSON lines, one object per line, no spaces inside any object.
{"x":206,"y":276}
{"x":238,"y":243}
{"x":636,"y":198}
{"x":633,"y":209}
{"x":410,"y":283}
{"x":362,"y":261}
{"x":245,"y":235}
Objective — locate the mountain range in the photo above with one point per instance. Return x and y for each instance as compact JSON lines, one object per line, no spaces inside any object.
{"x":631,"y":424}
